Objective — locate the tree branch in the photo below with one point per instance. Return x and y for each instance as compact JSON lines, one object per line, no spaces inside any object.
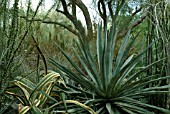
{"x":74,"y":9}
{"x":86,"y":14}
{"x":69,"y":28}
{"x":103,"y":12}
{"x":134,"y":24}
{"x":72,"y":17}
{"x":110,"y":9}
{"x":64,"y":6}
{"x":78,"y":25}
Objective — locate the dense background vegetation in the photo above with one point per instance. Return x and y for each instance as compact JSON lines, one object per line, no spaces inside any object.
{"x":55,"y":61}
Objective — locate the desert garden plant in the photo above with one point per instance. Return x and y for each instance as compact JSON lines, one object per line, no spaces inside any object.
{"x":103,"y":80}
{"x":109,"y":86}
{"x":9,"y":64}
{"x":33,"y":96}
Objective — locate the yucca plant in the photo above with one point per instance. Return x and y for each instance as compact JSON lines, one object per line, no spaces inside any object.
{"x":34,"y":95}
{"x":110,"y":86}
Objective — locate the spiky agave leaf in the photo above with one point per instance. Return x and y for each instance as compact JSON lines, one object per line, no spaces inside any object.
{"x":91,"y":111}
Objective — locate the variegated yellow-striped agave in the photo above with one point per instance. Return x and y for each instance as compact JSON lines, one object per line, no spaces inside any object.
{"x":35,"y":95}
{"x":111,"y":88}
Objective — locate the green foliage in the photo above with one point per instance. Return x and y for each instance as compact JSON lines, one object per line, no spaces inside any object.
{"x":18,"y":52}
{"x":111,"y":87}
{"x":91,"y":111}
{"x":10,"y":60}
{"x":34,"y":95}
{"x":101,"y":76}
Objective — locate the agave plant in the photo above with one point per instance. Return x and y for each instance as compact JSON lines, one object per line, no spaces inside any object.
{"x":35,"y":95}
{"x":110,"y":86}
